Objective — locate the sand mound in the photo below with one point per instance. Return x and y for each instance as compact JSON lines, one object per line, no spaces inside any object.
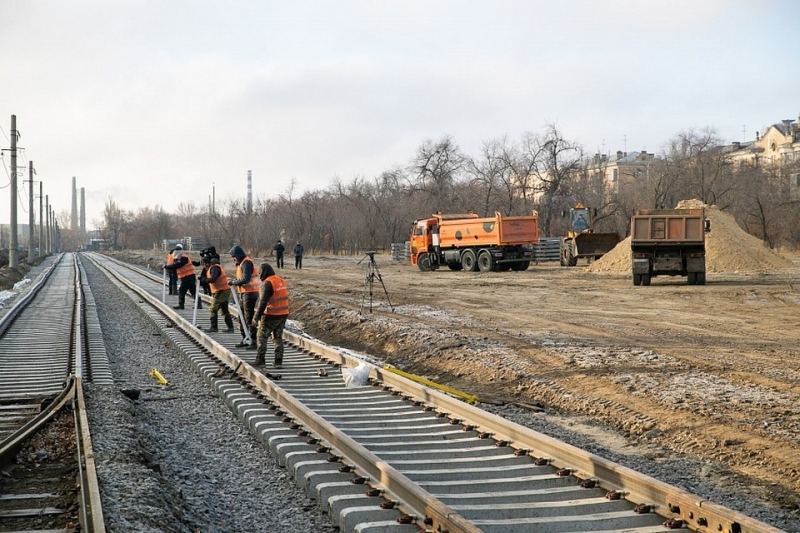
{"x":728,"y":248}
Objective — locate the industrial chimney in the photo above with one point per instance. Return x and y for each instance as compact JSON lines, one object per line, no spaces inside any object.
{"x":74,"y":213}
{"x":83,"y":212}
{"x":249,"y":191}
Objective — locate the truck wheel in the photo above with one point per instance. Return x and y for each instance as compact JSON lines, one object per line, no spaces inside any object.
{"x":519,"y":267}
{"x":485,"y":261}
{"x":469,"y":261}
{"x":572,"y":258}
{"x":637,"y":279}
{"x":452,"y":265}
{"x":646,"y":280}
{"x":563,"y":254}
{"x":424,"y":262}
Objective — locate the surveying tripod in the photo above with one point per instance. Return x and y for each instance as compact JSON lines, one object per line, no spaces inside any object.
{"x":372,"y":273}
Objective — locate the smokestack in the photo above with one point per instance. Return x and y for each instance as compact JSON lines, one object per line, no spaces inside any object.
{"x":249,"y":191}
{"x":83,"y":212}
{"x":74,"y":221}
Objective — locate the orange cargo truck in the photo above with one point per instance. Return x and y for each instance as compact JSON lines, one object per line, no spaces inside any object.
{"x":669,"y":242}
{"x":467,"y":242}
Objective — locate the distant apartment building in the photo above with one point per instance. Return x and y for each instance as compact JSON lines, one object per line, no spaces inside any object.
{"x":620,"y":170}
{"x":776,"y":148}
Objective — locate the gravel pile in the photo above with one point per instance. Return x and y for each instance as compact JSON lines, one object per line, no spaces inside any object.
{"x":176,"y":459}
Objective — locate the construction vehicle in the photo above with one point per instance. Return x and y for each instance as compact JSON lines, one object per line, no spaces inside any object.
{"x":669,"y":242}
{"x":581,"y":239}
{"x":467,"y":242}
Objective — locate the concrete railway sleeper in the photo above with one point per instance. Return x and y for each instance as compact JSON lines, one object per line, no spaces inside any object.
{"x":396,"y":455}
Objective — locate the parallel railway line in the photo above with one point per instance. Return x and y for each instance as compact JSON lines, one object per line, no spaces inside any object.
{"x":49,"y":479}
{"x":399,"y":456}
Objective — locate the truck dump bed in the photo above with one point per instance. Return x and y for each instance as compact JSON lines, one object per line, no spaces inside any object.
{"x":497,"y":231}
{"x":668,"y":226}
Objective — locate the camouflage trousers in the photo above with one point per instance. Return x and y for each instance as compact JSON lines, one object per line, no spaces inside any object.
{"x":271,"y":326}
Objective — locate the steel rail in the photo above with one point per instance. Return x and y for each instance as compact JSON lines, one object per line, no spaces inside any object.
{"x":92,"y":508}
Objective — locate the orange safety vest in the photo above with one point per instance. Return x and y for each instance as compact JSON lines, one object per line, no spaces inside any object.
{"x":254,"y":284}
{"x":278,"y":304}
{"x":186,"y":270}
{"x":222,"y":281}
{"x":170,"y":259}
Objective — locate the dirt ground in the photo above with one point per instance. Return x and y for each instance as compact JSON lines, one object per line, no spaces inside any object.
{"x":709,"y":371}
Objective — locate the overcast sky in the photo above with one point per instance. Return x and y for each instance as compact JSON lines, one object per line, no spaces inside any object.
{"x":157,"y":102}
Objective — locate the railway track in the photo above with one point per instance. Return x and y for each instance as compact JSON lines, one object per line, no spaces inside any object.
{"x":48,"y":482}
{"x":397,"y":455}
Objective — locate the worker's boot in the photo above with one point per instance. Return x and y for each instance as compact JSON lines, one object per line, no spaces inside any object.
{"x":259,"y":360}
{"x":180,"y":304}
{"x":278,"y":363}
{"x":229,"y":323}
{"x":214,"y":323}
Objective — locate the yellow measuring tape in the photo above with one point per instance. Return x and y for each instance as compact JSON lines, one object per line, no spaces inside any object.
{"x":469,"y":398}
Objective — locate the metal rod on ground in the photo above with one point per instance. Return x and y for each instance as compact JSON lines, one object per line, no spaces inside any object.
{"x":163,"y":285}
{"x":235,"y":370}
{"x":245,"y":327}
{"x":196,"y":300}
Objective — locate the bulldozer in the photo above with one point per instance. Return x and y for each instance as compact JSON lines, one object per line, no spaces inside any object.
{"x":581,"y":239}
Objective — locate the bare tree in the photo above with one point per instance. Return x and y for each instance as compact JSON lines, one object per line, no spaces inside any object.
{"x":436,"y":167}
{"x":116,"y":222}
{"x":492,"y":176}
{"x":698,"y":167}
{"x":559,"y":165}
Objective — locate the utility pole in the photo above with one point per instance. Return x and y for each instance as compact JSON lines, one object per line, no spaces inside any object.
{"x":30,"y":211}
{"x":47,"y":232}
{"x":12,"y":248}
{"x":41,"y":251}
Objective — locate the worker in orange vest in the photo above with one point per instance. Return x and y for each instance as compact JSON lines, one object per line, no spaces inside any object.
{"x":272,"y":310}
{"x":247,"y":285}
{"x":182,"y":266}
{"x":217,"y":282}
{"x":173,"y":277}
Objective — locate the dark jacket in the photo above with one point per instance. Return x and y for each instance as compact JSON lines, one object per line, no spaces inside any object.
{"x":279,"y":249}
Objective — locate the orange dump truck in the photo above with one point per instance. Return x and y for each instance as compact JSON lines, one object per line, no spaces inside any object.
{"x":466,"y":242}
{"x":669,"y":242}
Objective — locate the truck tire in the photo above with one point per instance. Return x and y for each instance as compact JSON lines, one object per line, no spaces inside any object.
{"x":452,"y":265}
{"x":568,"y":257}
{"x":485,"y":261}
{"x":563,"y":254}
{"x":520,"y":266}
{"x":469,"y":261}
{"x":646,"y":280}
{"x":424,"y":262}
{"x":637,"y":279}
